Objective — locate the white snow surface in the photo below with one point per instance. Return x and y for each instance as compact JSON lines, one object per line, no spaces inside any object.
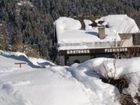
{"x":71,"y":36}
{"x":39,"y":86}
{"x":20,"y":57}
{"x":44,"y":87}
{"x":89,"y":74}
{"x":79,"y":84}
{"x":120,"y":23}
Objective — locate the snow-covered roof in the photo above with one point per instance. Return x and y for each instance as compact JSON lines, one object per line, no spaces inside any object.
{"x":71,"y":36}
{"x":120,"y":23}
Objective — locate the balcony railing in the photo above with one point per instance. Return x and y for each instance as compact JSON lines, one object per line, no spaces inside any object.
{"x":93,"y":44}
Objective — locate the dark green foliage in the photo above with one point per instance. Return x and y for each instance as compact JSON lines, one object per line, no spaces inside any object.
{"x":34,"y":25}
{"x":24,"y":26}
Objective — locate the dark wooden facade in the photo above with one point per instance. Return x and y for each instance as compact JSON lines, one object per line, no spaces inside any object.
{"x":116,"y":52}
{"x":135,"y":49}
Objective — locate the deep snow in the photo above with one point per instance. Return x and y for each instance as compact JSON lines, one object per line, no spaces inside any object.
{"x":79,"y":84}
{"x":38,"y":86}
{"x":89,"y":74}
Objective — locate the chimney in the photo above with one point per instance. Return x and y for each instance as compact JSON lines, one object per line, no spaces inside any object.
{"x":101,"y":32}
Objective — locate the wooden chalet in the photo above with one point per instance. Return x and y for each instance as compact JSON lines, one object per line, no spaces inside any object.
{"x":127,"y":46}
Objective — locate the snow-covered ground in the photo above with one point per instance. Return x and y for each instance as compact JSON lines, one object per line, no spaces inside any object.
{"x":79,"y":84}
{"x":38,"y":86}
{"x":89,"y":74}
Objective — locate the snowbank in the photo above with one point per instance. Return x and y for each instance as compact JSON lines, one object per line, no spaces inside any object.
{"x":11,"y":97}
{"x":108,"y":67}
{"x":79,"y":84}
{"x":41,"y":62}
{"x":7,"y":63}
{"x":28,"y":85}
{"x":17,"y":57}
{"x":105,"y":94}
{"x":89,"y":74}
{"x":45,"y":87}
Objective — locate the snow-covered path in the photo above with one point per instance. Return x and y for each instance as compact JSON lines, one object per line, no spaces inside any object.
{"x":39,"y":86}
{"x":78,"y":84}
{"x":44,"y":87}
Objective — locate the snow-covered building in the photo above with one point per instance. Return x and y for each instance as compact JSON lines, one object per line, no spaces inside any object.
{"x":112,"y":34}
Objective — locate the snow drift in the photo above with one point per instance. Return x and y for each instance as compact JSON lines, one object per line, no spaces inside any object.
{"x":79,"y":84}
{"x":90,"y":73}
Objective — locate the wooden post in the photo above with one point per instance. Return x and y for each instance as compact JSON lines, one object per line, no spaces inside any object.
{"x":20,"y":64}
